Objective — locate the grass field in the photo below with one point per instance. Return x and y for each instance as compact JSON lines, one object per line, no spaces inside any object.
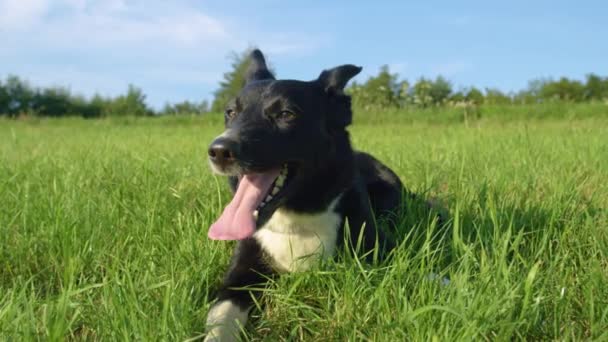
{"x":103,"y":235}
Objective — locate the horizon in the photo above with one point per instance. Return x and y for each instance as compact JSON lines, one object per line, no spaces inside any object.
{"x":179,"y":51}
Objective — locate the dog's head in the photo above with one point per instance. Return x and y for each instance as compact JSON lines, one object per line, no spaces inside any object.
{"x":276,"y":130}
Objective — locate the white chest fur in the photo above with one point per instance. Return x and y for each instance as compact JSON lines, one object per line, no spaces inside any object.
{"x":297,"y":241}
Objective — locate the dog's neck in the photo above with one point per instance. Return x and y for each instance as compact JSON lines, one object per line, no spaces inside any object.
{"x":327,"y":179}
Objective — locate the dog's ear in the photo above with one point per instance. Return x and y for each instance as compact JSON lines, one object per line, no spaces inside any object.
{"x":334,"y":80}
{"x":257,"y":69}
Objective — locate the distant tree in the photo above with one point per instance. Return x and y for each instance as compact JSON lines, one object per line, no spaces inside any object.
{"x":534,"y":88}
{"x":186,"y":108}
{"x":564,"y":89}
{"x":532,"y":93}
{"x":4,"y":99}
{"x":404,"y":93}
{"x":85,"y":108}
{"x":596,"y":88}
{"x":99,"y":106}
{"x":474,"y":96}
{"x":233,"y":82}
{"x":421,"y":92}
{"x":426,"y":92}
{"x":203,"y":107}
{"x":525,"y":97}
{"x":440,"y":89}
{"x":20,"y":96}
{"x":53,"y":102}
{"x":495,"y":96}
{"x":133,"y":103}
{"x":380,"y":91}
{"x":167,"y":109}
{"x":457,"y":97}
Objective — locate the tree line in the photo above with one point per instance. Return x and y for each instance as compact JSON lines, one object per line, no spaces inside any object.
{"x":382,"y":91}
{"x":18,"y":98}
{"x":385,"y":90}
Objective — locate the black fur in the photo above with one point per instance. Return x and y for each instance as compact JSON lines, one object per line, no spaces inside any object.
{"x":302,"y":124}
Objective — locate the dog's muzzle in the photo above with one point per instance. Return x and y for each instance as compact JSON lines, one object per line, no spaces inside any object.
{"x":223,"y":152}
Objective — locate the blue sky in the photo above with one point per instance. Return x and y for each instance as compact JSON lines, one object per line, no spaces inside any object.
{"x":177,"y":50}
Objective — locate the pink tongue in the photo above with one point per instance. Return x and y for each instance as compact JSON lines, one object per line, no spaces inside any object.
{"x":237,"y":221}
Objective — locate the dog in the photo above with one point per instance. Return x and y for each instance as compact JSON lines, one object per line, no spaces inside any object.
{"x":296,"y":182}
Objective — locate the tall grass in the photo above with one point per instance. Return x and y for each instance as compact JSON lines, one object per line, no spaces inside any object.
{"x":103,"y":234}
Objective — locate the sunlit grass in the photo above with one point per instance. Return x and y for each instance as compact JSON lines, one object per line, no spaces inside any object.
{"x":103,"y":236}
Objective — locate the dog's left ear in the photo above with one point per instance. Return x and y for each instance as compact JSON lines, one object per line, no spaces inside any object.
{"x":334,"y":80}
{"x":257,"y":69}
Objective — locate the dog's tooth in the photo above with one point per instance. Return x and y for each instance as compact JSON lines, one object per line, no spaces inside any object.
{"x":255,"y":214}
{"x":280,"y":181}
{"x":276,"y":190}
{"x":268,"y":198}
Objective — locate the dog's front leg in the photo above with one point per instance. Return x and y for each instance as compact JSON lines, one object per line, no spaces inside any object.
{"x":230,"y":312}
{"x":362,"y":224}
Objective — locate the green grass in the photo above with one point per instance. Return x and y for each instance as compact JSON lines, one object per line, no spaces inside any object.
{"x":103,"y":235}
{"x":495,"y":113}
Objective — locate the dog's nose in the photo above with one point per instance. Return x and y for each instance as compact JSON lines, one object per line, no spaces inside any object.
{"x":223,"y":151}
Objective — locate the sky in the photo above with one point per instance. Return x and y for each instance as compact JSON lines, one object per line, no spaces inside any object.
{"x":178,"y":50}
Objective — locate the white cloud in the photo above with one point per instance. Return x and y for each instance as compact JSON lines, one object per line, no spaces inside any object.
{"x":85,"y":24}
{"x":21,"y":14}
{"x":102,"y":45}
{"x":114,"y":24}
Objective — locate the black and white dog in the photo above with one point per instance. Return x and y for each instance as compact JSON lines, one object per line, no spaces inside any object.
{"x":296,"y":181}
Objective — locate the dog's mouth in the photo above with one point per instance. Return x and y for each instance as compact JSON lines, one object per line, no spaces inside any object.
{"x":257,"y":196}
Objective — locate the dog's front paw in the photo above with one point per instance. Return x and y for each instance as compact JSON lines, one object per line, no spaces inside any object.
{"x":225,"y":321}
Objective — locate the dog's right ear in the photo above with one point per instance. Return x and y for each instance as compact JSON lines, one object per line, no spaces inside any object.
{"x":257,"y":69}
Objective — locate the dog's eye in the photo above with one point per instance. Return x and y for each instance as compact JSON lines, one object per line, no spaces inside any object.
{"x":286,"y":116}
{"x":230,"y":114}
